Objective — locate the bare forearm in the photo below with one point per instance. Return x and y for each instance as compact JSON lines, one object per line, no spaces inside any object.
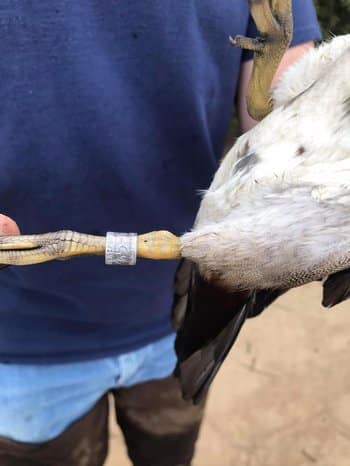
{"x":246,"y":122}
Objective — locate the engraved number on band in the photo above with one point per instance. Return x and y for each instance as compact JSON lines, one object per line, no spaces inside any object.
{"x":121,"y":248}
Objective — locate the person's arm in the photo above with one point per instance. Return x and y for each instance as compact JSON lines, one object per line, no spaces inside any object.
{"x":245,"y":121}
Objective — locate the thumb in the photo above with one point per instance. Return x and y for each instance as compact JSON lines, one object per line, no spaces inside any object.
{"x":8,"y":226}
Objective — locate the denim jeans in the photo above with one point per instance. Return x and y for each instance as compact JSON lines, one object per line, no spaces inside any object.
{"x":38,"y":402}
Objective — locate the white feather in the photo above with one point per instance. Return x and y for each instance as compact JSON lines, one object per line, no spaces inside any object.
{"x":278,"y":209}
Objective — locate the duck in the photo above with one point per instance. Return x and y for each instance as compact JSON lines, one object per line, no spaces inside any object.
{"x":279,"y":203}
{"x":276,"y":216}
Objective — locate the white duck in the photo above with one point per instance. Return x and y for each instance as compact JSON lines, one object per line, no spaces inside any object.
{"x":277,"y":214}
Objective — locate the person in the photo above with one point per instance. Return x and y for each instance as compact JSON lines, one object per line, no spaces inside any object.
{"x":113,"y":116}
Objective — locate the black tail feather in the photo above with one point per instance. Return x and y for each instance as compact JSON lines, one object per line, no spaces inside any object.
{"x":336,"y":288}
{"x":198,"y":371}
{"x":208,"y":320}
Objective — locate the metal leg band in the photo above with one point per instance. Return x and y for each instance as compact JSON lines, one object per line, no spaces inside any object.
{"x":121,"y":248}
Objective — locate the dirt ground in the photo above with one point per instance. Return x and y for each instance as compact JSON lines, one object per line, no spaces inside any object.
{"x":283,"y":396}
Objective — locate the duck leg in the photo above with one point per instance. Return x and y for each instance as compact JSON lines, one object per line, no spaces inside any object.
{"x":274,"y":20}
{"x":65,"y":244}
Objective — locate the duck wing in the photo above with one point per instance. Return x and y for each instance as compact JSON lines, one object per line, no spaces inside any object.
{"x":208,"y":319}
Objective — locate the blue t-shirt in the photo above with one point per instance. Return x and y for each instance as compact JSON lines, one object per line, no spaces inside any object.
{"x":113,"y":115}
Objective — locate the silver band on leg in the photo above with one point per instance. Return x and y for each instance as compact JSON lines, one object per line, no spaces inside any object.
{"x":121,"y":248}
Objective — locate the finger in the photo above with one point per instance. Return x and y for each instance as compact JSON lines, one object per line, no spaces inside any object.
{"x":8,"y":226}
